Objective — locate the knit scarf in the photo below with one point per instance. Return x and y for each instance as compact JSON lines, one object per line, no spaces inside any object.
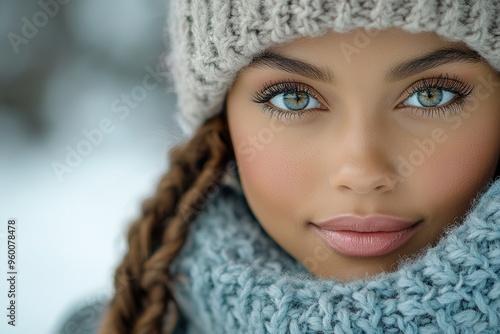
{"x":235,"y":279}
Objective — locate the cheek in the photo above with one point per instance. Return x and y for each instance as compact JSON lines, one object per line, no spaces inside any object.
{"x":460,"y":167}
{"x":276,"y":166}
{"x":273,"y":175}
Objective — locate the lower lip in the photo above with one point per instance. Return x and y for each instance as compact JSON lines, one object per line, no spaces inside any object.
{"x":366,"y":244}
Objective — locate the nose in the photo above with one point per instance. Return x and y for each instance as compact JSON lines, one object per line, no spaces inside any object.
{"x":363,"y":181}
{"x":363,"y":167}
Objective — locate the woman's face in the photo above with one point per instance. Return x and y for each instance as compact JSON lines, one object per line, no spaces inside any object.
{"x":356,"y":150}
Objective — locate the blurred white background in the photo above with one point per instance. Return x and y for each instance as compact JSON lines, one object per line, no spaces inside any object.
{"x":85,"y":125}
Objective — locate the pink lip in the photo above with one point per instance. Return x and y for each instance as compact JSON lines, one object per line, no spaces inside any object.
{"x":375,"y":235}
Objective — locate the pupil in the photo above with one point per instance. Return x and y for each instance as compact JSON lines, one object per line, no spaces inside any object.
{"x":296,"y":101}
{"x":430,"y":97}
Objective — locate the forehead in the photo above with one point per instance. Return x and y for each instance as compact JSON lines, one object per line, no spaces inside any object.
{"x":360,"y":44}
{"x":390,"y":55}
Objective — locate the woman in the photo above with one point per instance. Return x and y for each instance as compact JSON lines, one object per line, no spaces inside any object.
{"x":366,"y":136}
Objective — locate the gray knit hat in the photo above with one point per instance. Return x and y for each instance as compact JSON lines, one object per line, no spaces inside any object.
{"x":211,"y":40}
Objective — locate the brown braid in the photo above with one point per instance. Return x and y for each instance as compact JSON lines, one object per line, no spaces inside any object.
{"x":142,"y":298}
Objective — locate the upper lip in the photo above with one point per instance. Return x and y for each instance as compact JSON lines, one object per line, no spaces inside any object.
{"x":373,"y":223}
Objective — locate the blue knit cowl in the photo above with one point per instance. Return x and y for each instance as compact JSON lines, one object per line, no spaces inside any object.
{"x":235,"y":279}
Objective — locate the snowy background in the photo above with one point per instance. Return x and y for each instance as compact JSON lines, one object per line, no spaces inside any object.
{"x":85,"y":125}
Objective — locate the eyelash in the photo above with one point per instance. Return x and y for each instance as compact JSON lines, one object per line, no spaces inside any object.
{"x":272,"y":89}
{"x":454,"y":85}
{"x":460,"y":89}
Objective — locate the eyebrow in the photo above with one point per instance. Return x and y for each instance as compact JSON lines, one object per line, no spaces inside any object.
{"x":431,"y":60}
{"x":399,"y":72}
{"x":294,"y":66}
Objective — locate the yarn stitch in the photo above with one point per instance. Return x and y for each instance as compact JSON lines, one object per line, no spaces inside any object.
{"x":212,"y":40}
{"x":236,"y":279}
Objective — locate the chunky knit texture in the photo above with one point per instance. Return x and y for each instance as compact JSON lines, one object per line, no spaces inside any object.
{"x":212,"y":40}
{"x":235,"y":279}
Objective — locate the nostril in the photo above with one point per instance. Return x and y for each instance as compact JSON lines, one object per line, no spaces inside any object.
{"x":364,"y":173}
{"x":364,"y":184}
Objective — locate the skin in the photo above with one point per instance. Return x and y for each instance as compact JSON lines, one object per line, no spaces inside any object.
{"x":348,"y":156}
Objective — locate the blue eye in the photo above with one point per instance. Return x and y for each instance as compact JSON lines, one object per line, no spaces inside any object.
{"x":288,"y":99}
{"x":439,"y":96}
{"x":429,"y":98}
{"x":294,"y":101}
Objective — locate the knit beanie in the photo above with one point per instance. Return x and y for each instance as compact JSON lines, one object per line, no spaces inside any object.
{"x":211,"y":40}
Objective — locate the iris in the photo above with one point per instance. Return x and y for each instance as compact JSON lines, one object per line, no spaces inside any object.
{"x":430,"y":97}
{"x":296,"y":100}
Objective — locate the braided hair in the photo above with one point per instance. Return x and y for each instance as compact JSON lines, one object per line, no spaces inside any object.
{"x":142,"y":297}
